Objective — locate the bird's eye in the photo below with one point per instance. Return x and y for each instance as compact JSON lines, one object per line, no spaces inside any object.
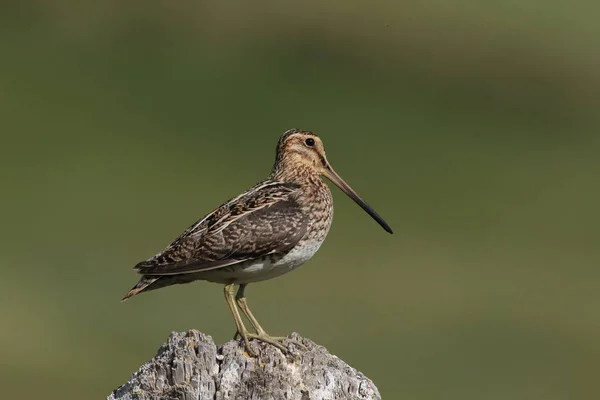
{"x":310,"y":142}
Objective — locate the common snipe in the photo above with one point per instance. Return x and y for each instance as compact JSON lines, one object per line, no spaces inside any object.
{"x":268,"y":230}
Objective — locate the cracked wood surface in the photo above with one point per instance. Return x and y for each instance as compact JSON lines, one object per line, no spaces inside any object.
{"x":191,"y":367}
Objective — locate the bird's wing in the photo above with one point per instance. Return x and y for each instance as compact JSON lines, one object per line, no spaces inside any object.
{"x":265,"y":220}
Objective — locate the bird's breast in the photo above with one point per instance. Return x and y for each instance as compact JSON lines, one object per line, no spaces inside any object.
{"x":299,"y":254}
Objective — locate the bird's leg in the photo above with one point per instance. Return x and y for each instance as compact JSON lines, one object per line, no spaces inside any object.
{"x":229,"y":291}
{"x":240,"y":298}
{"x":261,"y":334}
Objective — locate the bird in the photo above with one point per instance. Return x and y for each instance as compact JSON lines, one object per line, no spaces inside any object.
{"x":268,"y":230}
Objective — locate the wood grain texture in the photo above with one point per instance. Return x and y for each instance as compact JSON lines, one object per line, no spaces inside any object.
{"x":190,"y":366}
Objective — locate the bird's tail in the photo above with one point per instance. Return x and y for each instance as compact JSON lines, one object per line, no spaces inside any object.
{"x":144,"y":282}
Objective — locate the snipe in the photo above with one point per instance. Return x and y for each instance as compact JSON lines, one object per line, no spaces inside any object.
{"x":268,"y":230}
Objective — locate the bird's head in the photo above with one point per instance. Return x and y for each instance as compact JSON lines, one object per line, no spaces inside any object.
{"x":301,"y":153}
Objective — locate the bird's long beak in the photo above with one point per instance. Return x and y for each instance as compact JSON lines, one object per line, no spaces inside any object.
{"x":339,"y":182}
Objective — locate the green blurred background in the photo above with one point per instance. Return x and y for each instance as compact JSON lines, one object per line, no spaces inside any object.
{"x":472,"y":127}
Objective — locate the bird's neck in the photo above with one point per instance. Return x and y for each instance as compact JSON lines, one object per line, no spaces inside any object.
{"x":314,"y":192}
{"x":295,"y":173}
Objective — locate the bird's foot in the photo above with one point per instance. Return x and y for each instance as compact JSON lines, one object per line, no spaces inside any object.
{"x":274,"y":341}
{"x":277,"y":341}
{"x":295,"y":342}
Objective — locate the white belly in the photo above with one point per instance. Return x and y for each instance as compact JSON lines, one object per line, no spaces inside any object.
{"x":266,"y":268}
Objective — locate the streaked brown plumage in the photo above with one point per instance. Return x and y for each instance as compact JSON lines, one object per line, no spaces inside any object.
{"x":270,"y":229}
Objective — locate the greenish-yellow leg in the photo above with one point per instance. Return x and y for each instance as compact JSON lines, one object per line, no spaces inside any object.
{"x":261,"y":334}
{"x":229,"y":291}
{"x":241,"y":301}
